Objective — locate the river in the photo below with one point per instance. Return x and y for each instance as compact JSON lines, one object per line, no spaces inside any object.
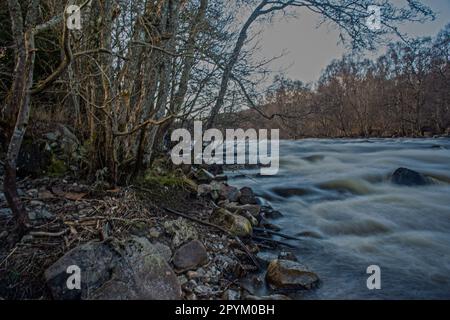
{"x":336,"y":195}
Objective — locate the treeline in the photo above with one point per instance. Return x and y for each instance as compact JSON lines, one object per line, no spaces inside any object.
{"x":405,"y":92}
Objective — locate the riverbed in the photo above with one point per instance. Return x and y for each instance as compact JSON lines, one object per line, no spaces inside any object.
{"x":336,"y":195}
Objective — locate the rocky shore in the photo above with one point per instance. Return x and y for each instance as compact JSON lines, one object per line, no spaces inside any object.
{"x":197,"y":239}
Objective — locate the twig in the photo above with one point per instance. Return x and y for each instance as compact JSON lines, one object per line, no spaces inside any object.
{"x":239,"y":241}
{"x":48,"y":234}
{"x":9,"y":255}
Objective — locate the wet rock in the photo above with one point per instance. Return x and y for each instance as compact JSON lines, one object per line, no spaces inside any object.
{"x":202,"y":290}
{"x":229,"y":193}
{"x":247,"y":196}
{"x":286,"y":274}
{"x":407,"y":177}
{"x":235,"y":224}
{"x":190,"y":256}
{"x":287,"y":255}
{"x":253,"y":209}
{"x":132,"y":269}
{"x":181,"y":230}
{"x":271,"y":214}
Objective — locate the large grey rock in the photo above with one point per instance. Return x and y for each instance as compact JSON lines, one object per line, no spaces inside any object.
{"x":190,"y":256}
{"x":128,"y":270}
{"x":287,"y":274}
{"x":407,"y":177}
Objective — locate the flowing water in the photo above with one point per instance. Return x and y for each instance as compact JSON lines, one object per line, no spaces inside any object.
{"x":336,"y":195}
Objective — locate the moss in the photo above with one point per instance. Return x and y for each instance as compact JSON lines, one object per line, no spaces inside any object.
{"x":56,"y":168}
{"x":168,"y":179}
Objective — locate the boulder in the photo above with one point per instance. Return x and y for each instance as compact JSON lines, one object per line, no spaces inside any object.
{"x":290,"y":275}
{"x":247,"y":196}
{"x":235,"y":224}
{"x":181,"y":231}
{"x":407,"y":177}
{"x":124,"y":270}
{"x":190,"y":256}
{"x":163,"y":250}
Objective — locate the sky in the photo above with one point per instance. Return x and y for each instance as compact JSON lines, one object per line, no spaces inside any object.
{"x":308,"y":50}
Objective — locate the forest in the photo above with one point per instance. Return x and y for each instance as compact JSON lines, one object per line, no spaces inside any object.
{"x":403,"y":93}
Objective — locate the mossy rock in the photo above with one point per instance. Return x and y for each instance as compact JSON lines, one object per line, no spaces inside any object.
{"x":235,"y":224}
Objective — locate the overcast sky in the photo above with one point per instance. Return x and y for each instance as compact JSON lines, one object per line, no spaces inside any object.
{"x":309,"y":50}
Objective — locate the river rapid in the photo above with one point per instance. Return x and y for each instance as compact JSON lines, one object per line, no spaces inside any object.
{"x":336,"y":195}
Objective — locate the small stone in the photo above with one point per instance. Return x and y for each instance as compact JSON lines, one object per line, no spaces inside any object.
{"x":287,"y":255}
{"x":407,"y":177}
{"x":286,"y":274}
{"x":154,"y":233}
{"x":182,"y":280}
{"x":247,"y":196}
{"x":5,"y":213}
{"x":190,"y":256}
{"x":231,"y":295}
{"x":229,"y":193}
{"x":33,"y":193}
{"x":40,"y":214}
{"x":204,"y":190}
{"x":272,"y":214}
{"x":192,"y":275}
{"x":27,"y":238}
{"x":3,"y":234}
{"x":181,"y":230}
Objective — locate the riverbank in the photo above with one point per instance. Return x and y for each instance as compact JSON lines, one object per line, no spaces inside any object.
{"x":204,"y":235}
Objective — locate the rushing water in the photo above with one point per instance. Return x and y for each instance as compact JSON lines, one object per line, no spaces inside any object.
{"x":336,"y":195}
